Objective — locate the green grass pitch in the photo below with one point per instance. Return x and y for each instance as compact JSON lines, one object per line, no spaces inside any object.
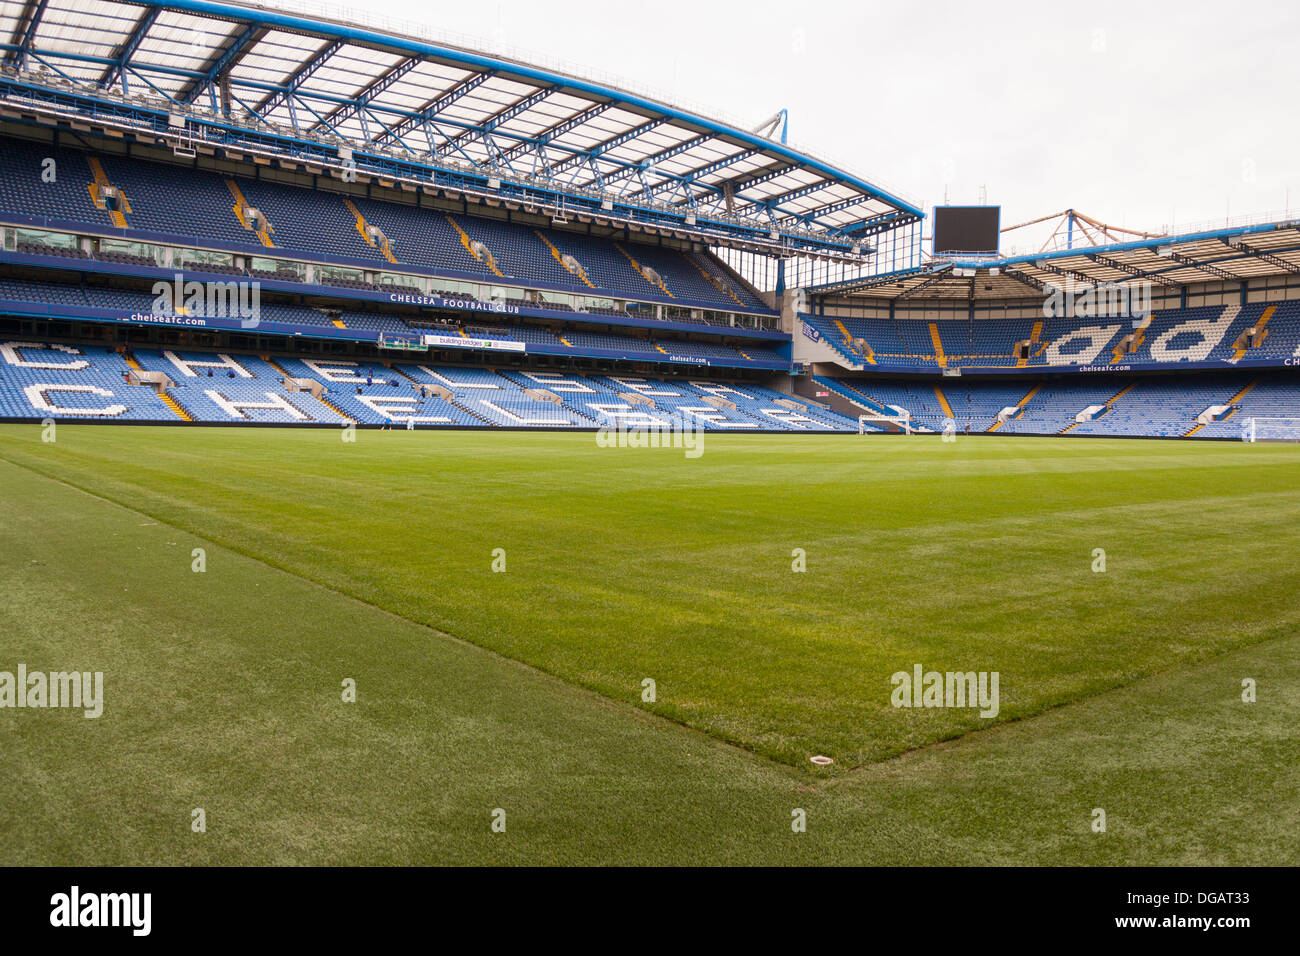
{"x":522,"y":689}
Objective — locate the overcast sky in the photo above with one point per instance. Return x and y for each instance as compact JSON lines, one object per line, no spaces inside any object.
{"x":1139,"y":114}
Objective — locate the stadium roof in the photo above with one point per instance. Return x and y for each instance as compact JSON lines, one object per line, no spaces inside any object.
{"x":268,"y":80}
{"x":1224,"y":255}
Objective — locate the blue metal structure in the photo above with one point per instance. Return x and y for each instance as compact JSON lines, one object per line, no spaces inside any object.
{"x":392,"y":105}
{"x":1232,"y":254}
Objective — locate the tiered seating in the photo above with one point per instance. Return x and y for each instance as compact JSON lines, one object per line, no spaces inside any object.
{"x":761,"y":355}
{"x":126,"y":259}
{"x":422,"y":237}
{"x":182,"y":202}
{"x":514,"y":409}
{"x":738,"y":289}
{"x":273,"y":314}
{"x":39,"y":380}
{"x":1200,"y":326}
{"x":125,"y":300}
{"x":1053,"y":407}
{"x":227,"y":388}
{"x":764,"y":408}
{"x":373,"y":394}
{"x":610,"y":340}
{"x":1148,"y":407}
{"x":676,"y":402}
{"x":706,"y":350}
{"x":919,"y":400}
{"x":1172,"y":337}
{"x":194,"y":204}
{"x":683,"y":279}
{"x":535,"y":336}
{"x":519,"y":254}
{"x":1281,"y":334}
{"x":343,"y":282}
{"x":500,"y":398}
{"x":21,"y":290}
{"x":762,"y":403}
{"x":606,"y":267}
{"x":1170,"y":408}
{"x":974,"y":409}
{"x":373,"y":322}
{"x":306,"y":219}
{"x":983,"y":343}
{"x":28,"y":193}
{"x":881,"y":334}
{"x":493,"y":399}
{"x":83,"y":382}
{"x":1264,"y":400}
{"x":45,"y":249}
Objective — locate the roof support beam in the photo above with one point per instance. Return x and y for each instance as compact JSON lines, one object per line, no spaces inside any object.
{"x":1261,"y":255}
{"x":118,"y":70}
{"x":874,"y":282}
{"x":764,"y":177}
{"x":650,"y":162}
{"x":555,"y":132}
{"x":812,"y":215}
{"x":1078,"y":277}
{"x":1133,"y":271}
{"x":775,"y":202}
{"x":933,"y":280}
{"x":214,"y":73}
{"x":502,"y":116}
{"x":1204,"y":267}
{"x":338,"y":115}
{"x":877,"y":223}
{"x":149,"y":83}
{"x":25,"y":33}
{"x":430,"y":111}
{"x":299,"y":77}
{"x":578,"y":158}
{"x":709,"y":170}
{"x":1025,"y":279}
{"x":762,"y":203}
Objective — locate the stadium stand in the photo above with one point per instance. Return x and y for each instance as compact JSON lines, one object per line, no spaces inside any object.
{"x":603,"y":269}
{"x":1158,"y":408}
{"x":29,"y":191}
{"x":48,"y":380}
{"x":191,"y":204}
{"x":1208,"y":333}
{"x":44,"y":379}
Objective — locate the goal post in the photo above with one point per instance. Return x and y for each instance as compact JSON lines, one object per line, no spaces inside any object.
{"x":1270,"y":429}
{"x":873,"y":422}
{"x":401,"y":343}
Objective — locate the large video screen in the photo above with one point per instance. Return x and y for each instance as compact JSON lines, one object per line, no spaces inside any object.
{"x":966,"y":228}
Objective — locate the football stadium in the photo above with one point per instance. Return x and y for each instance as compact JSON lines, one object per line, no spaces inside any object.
{"x":414,"y":455}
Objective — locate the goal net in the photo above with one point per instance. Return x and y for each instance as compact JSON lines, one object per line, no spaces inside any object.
{"x":403,"y":343}
{"x":871,"y":423}
{"x":1270,"y":429}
